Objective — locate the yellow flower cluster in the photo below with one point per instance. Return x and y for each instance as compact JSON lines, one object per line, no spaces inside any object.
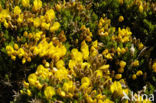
{"x":48,"y":49}
{"x":17,"y":10}
{"x":116,"y":87}
{"x":108,"y":55}
{"x":135,"y":63}
{"x":47,"y":77}
{"x":25,"y":3}
{"x":4,"y":15}
{"x":46,"y":74}
{"x":78,"y":57}
{"x":138,"y":73}
{"x":85,"y":50}
{"x":122,"y":66}
{"x":43,"y":48}
{"x":49,"y":92}
{"x":94,"y":48}
{"x":46,"y":21}
{"x":85,"y":81}
{"x":124,"y":35}
{"x":16,"y":51}
{"x":104,"y":27}
{"x":61,"y":74}
{"x":37,"y":4}
{"x":121,"y":51}
{"x":87,"y":70}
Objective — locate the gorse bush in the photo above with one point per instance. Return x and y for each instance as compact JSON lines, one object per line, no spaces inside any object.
{"x":77,"y":51}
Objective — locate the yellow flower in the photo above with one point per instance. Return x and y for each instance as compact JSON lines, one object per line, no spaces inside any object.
{"x":37,"y":4}
{"x":40,"y":69}
{"x":6,"y":25}
{"x":30,"y":35}
{"x":9,"y":49}
{"x":50,"y":15}
{"x":108,"y":56}
{"x":123,"y":50}
{"x":76,"y":55}
{"x":38,"y":85}
{"x":60,"y":64}
{"x":100,"y":96}
{"x":37,"y":36}
{"x":118,"y":76}
{"x":68,"y":86}
{"x":104,"y":67}
{"x":43,"y":72}
{"x":95,"y":44}
{"x":17,"y":10}
{"x":58,"y":52}
{"x":61,"y":92}
{"x":85,"y":50}
{"x":30,"y":20}
{"x":25,"y":34}
{"x":4,"y":14}
{"x":104,"y":34}
{"x":72,"y":63}
{"x":93,"y":51}
{"x":105,"y":52}
{"x":25,"y":3}
{"x":118,"y":50}
{"x":85,"y":65}
{"x":55,"y":27}
{"x":20,"y":52}
{"x":29,"y":92}
{"x":134,"y":76}
{"x":141,"y":8}
{"x":58,"y":7}
{"x":102,"y":20}
{"x":47,"y":64}
{"x":121,"y":18}
{"x":140,"y":46}
{"x":16,"y":46}
{"x":45,"y":25}
{"x":32,"y":78}
{"x":139,"y":73}
{"x":21,"y":91}
{"x":20,"y":18}
{"x":29,"y":59}
{"x":49,"y":92}
{"x":23,"y":61}
{"x":154,"y":67}
{"x":99,"y":73}
{"x":135,"y":63}
{"x":37,"y":22}
{"x":26,"y":85}
{"x":122,"y":64}
{"x":85,"y":81}
{"x":116,"y":86}
{"x":61,"y":74}
{"x":13,"y":57}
